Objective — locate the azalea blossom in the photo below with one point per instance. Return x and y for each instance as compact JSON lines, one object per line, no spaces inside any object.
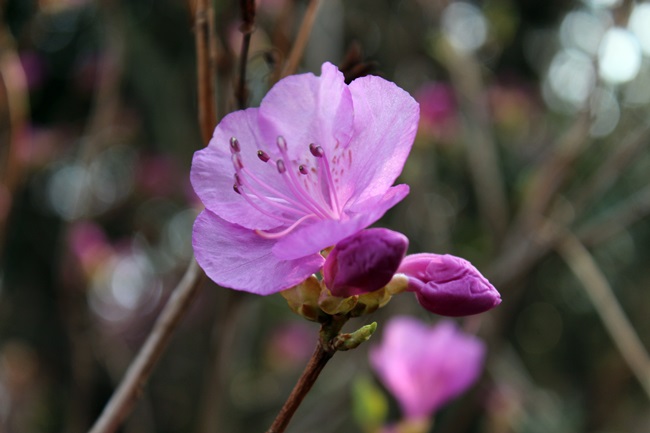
{"x":425,"y":367}
{"x":314,"y":164}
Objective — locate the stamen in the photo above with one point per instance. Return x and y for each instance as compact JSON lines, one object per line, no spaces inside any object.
{"x":234,"y":145}
{"x":317,"y":151}
{"x":296,"y":187}
{"x":281,"y":167}
{"x":236,"y":188}
{"x":263,"y":156}
{"x":323,"y":165}
{"x":282,"y":143}
{"x":302,"y":169}
{"x":292,"y":227}
{"x":237,"y":161}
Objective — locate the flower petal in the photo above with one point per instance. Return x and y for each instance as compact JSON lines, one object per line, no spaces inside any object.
{"x":307,"y":109}
{"x":212,"y":172}
{"x":385,"y":122}
{"x":322,"y":234}
{"x":236,"y":257}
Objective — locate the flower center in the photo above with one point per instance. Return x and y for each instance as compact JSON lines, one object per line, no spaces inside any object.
{"x":309,"y":192}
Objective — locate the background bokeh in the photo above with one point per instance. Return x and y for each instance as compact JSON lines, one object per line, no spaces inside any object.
{"x":531,"y":161}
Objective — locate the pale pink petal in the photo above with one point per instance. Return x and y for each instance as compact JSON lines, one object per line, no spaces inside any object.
{"x":213,"y":173}
{"x":307,"y":109}
{"x":425,"y":367}
{"x":236,"y":257}
{"x":385,"y":122}
{"x":322,"y":234}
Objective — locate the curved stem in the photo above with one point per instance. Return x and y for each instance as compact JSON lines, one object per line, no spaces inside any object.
{"x":301,"y":40}
{"x":316,"y":364}
{"x":323,"y":353}
{"x":247,"y":28}
{"x":130,"y":389}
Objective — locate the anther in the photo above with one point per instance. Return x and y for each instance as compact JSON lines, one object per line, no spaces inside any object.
{"x":234,"y":145}
{"x":302,"y":169}
{"x":236,"y":187}
{"x":237,"y":180}
{"x":282,"y":143}
{"x":281,"y":167}
{"x":263,"y":155}
{"x":237,"y":161}
{"x":317,"y":151}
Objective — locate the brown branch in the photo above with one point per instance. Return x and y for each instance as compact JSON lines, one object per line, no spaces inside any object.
{"x":324,"y":351}
{"x":301,"y":40}
{"x":316,"y":364}
{"x":610,"y":311}
{"x":480,"y":148}
{"x":247,"y":28}
{"x":15,"y":99}
{"x":206,"y":67}
{"x":131,"y":387}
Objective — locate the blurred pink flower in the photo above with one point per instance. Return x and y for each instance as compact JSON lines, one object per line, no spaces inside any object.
{"x":89,"y":245}
{"x":312,"y":166}
{"x":448,"y":285}
{"x":438,"y":109}
{"x":425,"y":367}
{"x":290,"y":344}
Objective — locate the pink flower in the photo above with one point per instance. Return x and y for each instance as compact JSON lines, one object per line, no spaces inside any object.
{"x":311,"y":166}
{"x":448,"y":285}
{"x":425,"y":367}
{"x":364,"y":262}
{"x":438,"y":109}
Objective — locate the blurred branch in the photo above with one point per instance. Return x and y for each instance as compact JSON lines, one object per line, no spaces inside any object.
{"x":221,"y":349}
{"x":481,"y":150}
{"x":247,"y":28}
{"x":206,"y":66}
{"x":302,"y":38}
{"x":131,"y":387}
{"x":620,"y":216}
{"x":613,"y":165}
{"x":610,"y":311}
{"x":14,"y":100}
{"x":553,"y":172}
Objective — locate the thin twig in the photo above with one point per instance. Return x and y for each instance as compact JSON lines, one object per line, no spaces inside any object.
{"x":480,"y":148}
{"x":316,"y":364}
{"x":224,"y":336}
{"x":13,"y":86}
{"x":206,"y":66}
{"x":610,"y":311}
{"x":131,"y":387}
{"x":325,"y":349}
{"x":247,"y":28}
{"x":301,"y":40}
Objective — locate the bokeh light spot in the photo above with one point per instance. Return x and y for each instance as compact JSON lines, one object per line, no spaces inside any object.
{"x":465,"y":26}
{"x":639,"y":24}
{"x":619,"y":56}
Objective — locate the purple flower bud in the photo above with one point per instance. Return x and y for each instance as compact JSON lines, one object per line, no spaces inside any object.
{"x":448,"y":285}
{"x":364,"y":262}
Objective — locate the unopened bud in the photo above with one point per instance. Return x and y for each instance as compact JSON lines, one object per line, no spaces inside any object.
{"x":448,"y":285}
{"x":353,"y":340}
{"x":364,"y":262}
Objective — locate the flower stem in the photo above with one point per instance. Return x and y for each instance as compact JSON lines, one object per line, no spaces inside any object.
{"x":323,"y":353}
{"x":247,"y":27}
{"x":130,"y":389}
{"x":301,"y":40}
